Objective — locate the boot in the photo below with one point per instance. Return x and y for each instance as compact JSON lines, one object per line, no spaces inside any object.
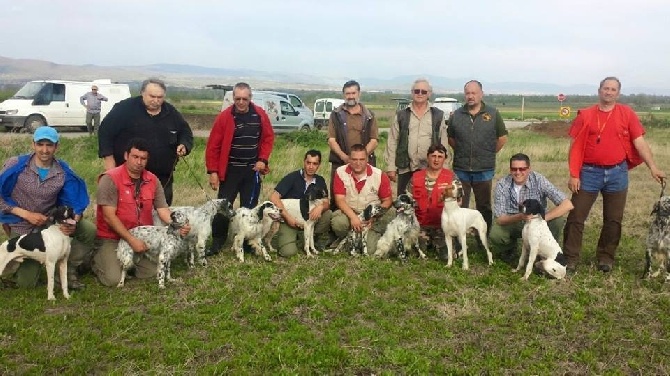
{"x":215,"y":247}
{"x":73,"y":282}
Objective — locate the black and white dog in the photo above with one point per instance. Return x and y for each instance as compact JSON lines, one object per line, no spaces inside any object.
{"x":300,"y":209}
{"x":47,"y":245}
{"x":249,"y":224}
{"x":456,"y":222}
{"x":402,"y":233}
{"x":200,"y":219}
{"x":538,"y":241}
{"x":164,"y":242}
{"x":658,"y":241}
{"x":358,"y":241}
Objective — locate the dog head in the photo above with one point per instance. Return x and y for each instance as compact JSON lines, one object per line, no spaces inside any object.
{"x":62,"y":215}
{"x":453,"y":191}
{"x":224,"y":207}
{"x":662,"y":207}
{"x":179,"y":220}
{"x":404,"y":204}
{"x":314,"y":193}
{"x":532,"y":207}
{"x":371,"y":211}
{"x":269,"y":209}
{"x":551,"y":268}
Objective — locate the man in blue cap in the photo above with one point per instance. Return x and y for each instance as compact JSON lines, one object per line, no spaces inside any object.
{"x":30,"y":186}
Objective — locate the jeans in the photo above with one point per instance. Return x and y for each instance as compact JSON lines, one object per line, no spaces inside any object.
{"x":612,"y":183}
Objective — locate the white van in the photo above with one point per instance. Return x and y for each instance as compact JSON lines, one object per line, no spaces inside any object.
{"x":56,"y":103}
{"x":293,"y":99}
{"x":448,"y":105}
{"x":284,"y":117}
{"x":322,"y":109}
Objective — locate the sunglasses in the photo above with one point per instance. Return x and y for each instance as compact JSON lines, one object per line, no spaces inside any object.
{"x":518,"y":169}
{"x":420,"y":91}
{"x":241,"y":99}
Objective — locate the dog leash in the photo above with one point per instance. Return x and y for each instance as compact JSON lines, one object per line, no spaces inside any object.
{"x":257,"y":178}
{"x":190,"y":170}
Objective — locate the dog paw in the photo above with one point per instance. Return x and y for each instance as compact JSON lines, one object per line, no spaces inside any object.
{"x":51,"y":297}
{"x":67,"y":296}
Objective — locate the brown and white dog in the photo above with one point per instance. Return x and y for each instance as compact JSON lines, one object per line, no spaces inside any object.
{"x":457,"y":221}
{"x":658,"y":241}
{"x":47,"y":245}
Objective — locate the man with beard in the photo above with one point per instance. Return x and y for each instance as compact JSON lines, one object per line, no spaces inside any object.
{"x":350,"y":124}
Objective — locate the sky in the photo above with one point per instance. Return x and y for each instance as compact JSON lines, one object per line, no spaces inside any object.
{"x":563,"y":42}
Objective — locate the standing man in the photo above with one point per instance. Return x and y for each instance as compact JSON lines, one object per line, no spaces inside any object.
{"x":30,"y":186}
{"x":412,"y":132}
{"x":521,"y":184}
{"x":93,"y":103}
{"x":607,"y":141}
{"x":349,"y":124}
{"x":238,"y":152}
{"x":356,"y":185}
{"x":293,"y":186}
{"x":147,"y":116}
{"x":126,"y":198}
{"x":476,"y":133}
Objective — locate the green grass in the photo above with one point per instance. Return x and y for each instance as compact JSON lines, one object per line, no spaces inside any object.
{"x":339,"y":315}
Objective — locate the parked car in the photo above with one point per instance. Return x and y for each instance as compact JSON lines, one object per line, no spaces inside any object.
{"x":56,"y":103}
{"x":282,"y":114}
{"x":448,"y":105}
{"x":322,"y":109}
{"x":295,"y":100}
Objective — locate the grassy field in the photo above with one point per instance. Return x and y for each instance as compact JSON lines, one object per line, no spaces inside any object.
{"x":338,"y":315}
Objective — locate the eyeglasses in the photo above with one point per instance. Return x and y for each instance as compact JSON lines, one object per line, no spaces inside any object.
{"x":518,"y":169}
{"x":238,"y":99}
{"x":420,"y":91}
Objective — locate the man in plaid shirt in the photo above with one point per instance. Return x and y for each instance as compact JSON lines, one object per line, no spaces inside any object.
{"x":521,"y":184}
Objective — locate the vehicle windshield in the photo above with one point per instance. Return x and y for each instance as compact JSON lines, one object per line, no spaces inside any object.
{"x":29,"y":90}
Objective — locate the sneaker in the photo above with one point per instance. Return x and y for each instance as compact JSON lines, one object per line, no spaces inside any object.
{"x":75,"y":285}
{"x":215,"y":248}
{"x":605,"y":268}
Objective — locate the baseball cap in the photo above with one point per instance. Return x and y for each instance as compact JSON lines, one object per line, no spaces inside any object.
{"x":45,"y":133}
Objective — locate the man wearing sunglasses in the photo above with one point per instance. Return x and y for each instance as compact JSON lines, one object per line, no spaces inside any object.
{"x":521,"y":184}
{"x":477,"y":133}
{"x":412,"y":132}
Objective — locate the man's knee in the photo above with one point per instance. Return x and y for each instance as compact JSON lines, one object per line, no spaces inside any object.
{"x":106,"y":265}
{"x":28,"y":274}
{"x":285,"y":240}
{"x":340,"y":224}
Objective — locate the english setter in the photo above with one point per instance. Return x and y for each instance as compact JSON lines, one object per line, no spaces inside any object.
{"x":249,"y":224}
{"x":538,"y":241}
{"x":456,"y":222}
{"x":402,"y":233}
{"x":358,"y":241}
{"x":200,"y":219}
{"x":164,"y":243}
{"x":300,"y":209}
{"x":47,"y":245}
{"x":658,"y":241}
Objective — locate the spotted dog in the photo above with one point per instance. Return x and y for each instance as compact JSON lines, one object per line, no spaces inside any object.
{"x":249,"y":224}
{"x":200,"y":219}
{"x":538,"y":241}
{"x":164,"y":244}
{"x":48,"y":245}
{"x":658,"y":241}
{"x":456,"y":222}
{"x":300,"y":209}
{"x":358,"y":241}
{"x":402,"y":233}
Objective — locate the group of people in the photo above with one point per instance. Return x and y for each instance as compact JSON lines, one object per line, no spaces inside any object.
{"x":141,"y":139}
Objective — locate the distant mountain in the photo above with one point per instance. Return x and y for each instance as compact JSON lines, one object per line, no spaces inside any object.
{"x":18,"y":71}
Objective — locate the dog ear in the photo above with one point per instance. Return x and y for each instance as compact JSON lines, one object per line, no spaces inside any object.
{"x":367,"y":212}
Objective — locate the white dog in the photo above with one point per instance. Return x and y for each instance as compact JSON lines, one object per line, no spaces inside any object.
{"x":538,"y":241}
{"x":249,"y":224}
{"x":48,"y":245}
{"x":300,"y":209}
{"x":402,"y":233}
{"x":456,"y":222}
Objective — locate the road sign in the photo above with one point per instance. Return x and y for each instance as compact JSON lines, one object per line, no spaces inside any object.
{"x":565,"y":111}
{"x":561,"y":97}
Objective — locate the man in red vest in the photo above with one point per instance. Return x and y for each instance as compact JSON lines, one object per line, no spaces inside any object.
{"x":607,"y":141}
{"x":126,"y":197}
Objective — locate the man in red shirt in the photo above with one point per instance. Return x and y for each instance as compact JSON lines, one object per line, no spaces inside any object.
{"x":355,"y":185}
{"x":607,"y":141}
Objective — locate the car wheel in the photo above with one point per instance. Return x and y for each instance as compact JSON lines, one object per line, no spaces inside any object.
{"x":33,"y":122}
{"x":305,"y":128}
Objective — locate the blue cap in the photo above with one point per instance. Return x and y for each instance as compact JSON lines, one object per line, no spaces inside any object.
{"x":45,"y":133}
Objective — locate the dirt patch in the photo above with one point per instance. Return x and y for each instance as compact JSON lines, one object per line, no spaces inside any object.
{"x":200,"y":122}
{"x":556,"y":129}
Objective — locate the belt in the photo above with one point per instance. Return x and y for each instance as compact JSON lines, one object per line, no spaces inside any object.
{"x":606,"y":167}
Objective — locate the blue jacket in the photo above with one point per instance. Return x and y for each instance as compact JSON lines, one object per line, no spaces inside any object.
{"x":74,"y":192}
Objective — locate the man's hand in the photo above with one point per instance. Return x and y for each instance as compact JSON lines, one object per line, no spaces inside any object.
{"x":67,"y":229}
{"x":184,"y":230}
{"x":35,"y":219}
{"x":657,"y":174}
{"x":214,"y":181}
{"x":294,"y":223}
{"x":259,"y":166}
{"x":356,"y":224}
{"x":181,"y":150}
{"x":138,"y":245}
{"x":315,"y":213}
{"x":574,"y":185}
{"x":392,"y":175}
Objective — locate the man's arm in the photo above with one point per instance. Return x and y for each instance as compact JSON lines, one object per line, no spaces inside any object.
{"x":558,"y":211}
{"x":335,"y":147}
{"x":275,"y":198}
{"x":184,"y":137}
{"x":109,"y":215}
{"x":645,"y":153}
{"x":108,"y":162}
{"x":81,"y":100}
{"x":499,"y":143}
{"x":102,"y":97}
